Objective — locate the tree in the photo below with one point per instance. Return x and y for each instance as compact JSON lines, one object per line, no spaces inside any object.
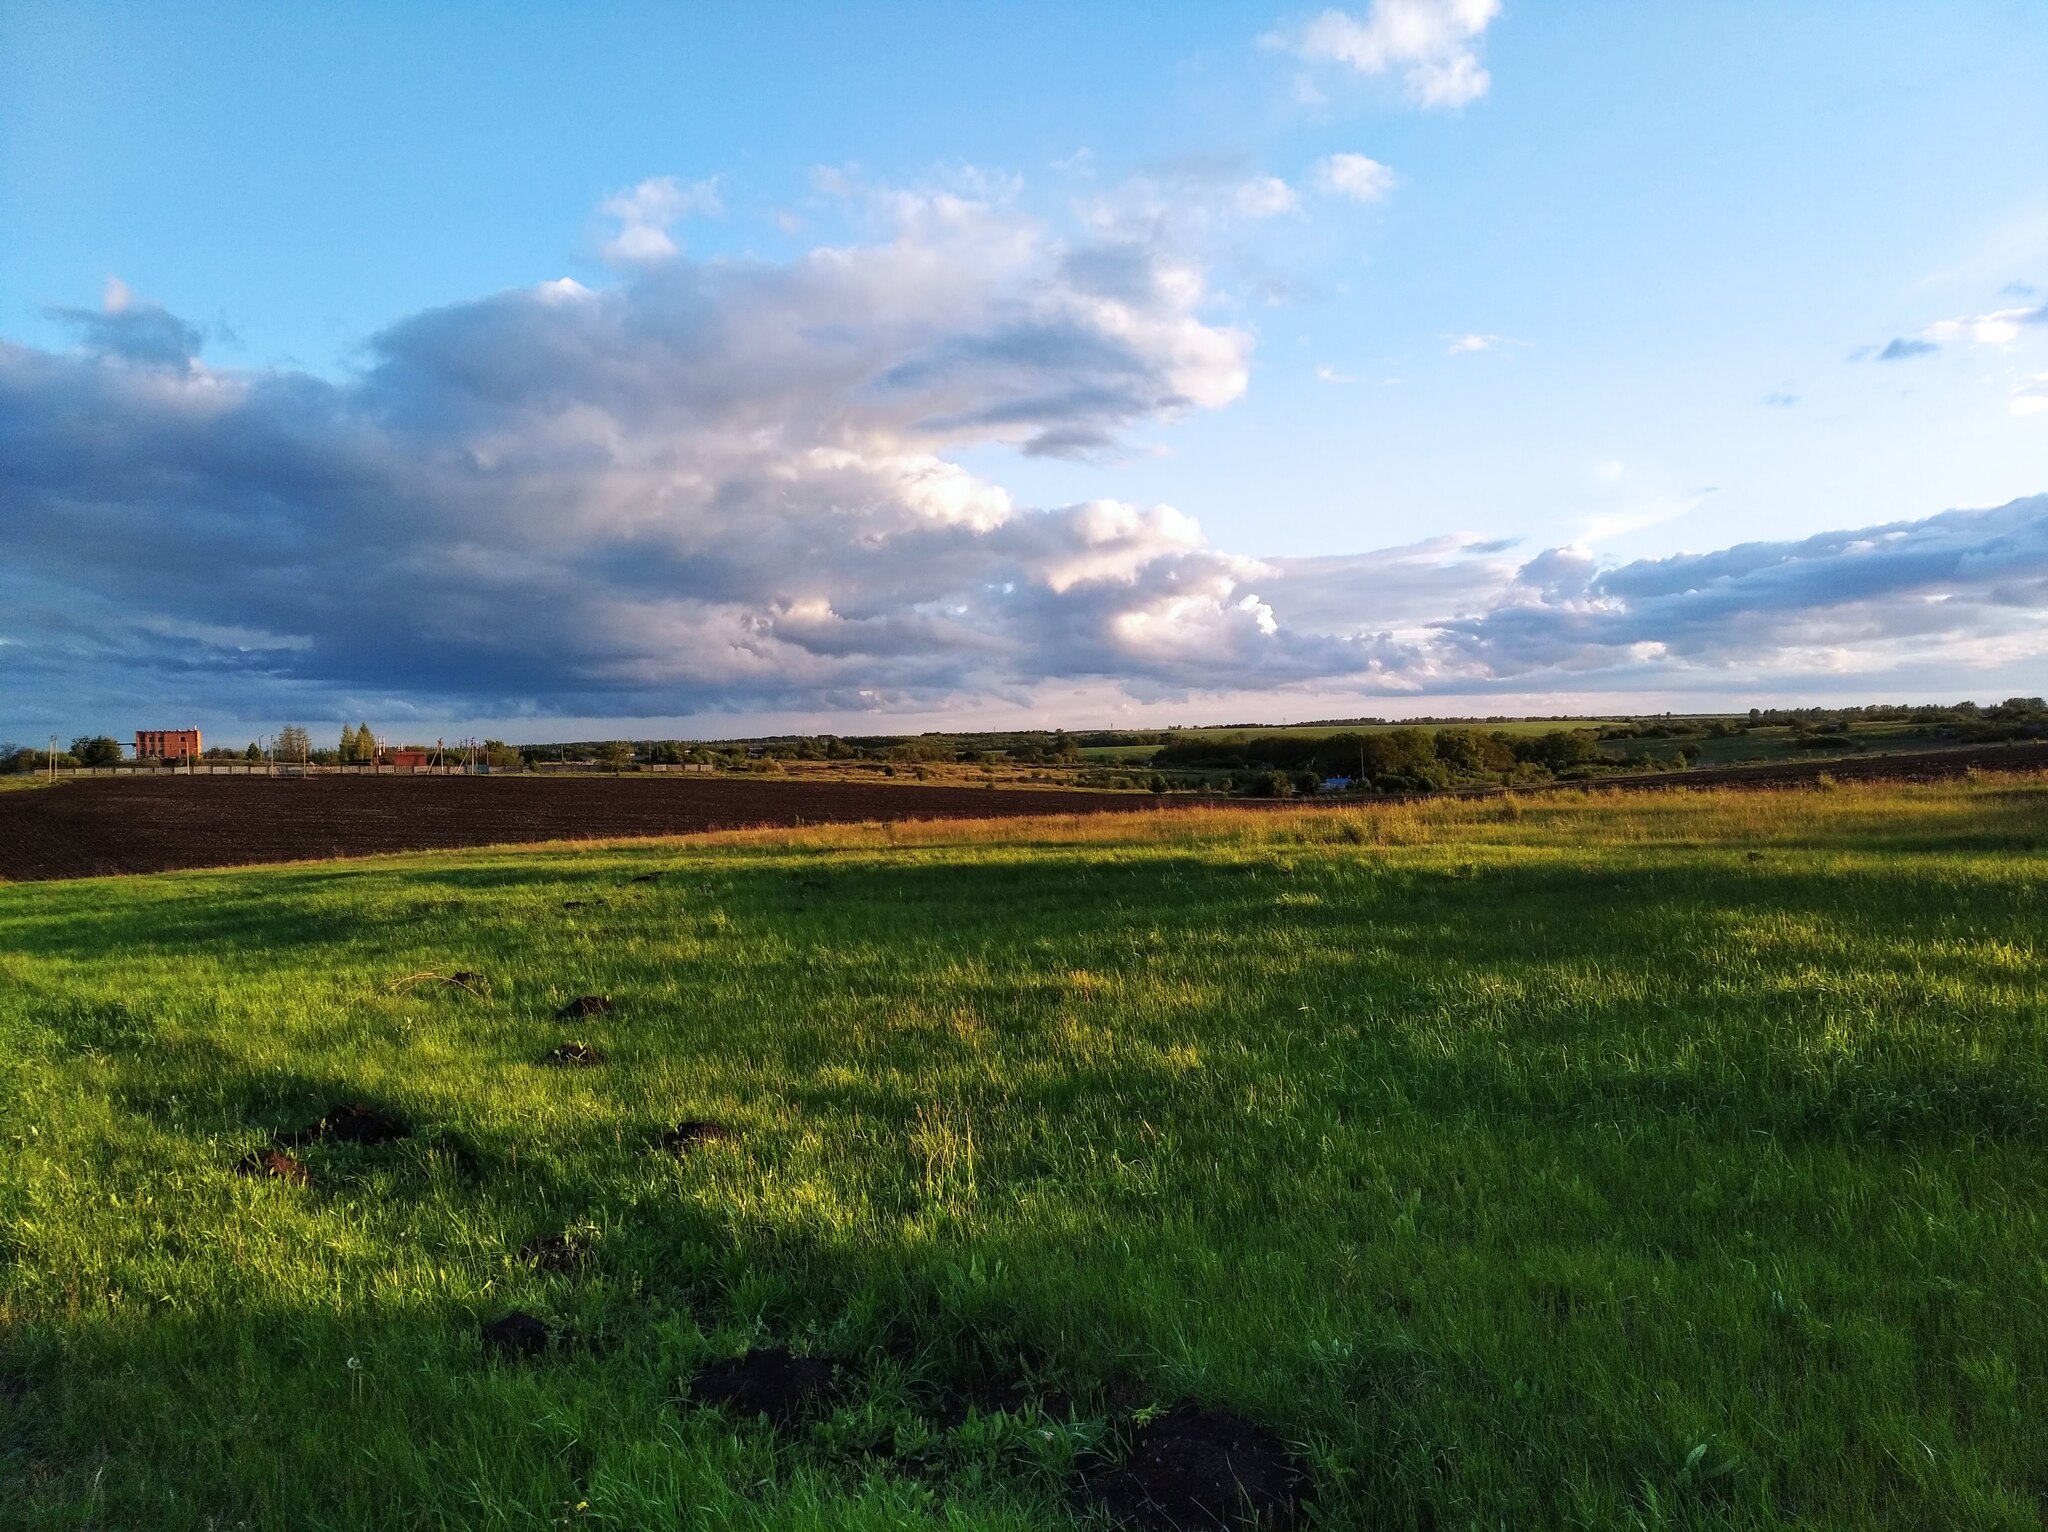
{"x":294,"y":743}
{"x":253,"y":753}
{"x":615,"y":753}
{"x":96,"y":750}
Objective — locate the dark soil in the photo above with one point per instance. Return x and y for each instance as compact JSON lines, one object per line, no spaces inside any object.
{"x":92,"y":827}
{"x":647,"y":877}
{"x":464,"y":979}
{"x":584,"y":1005}
{"x":770,"y":1382}
{"x":517,"y":1334}
{"x":275,"y":1164}
{"x":351,"y":1123}
{"x":690,"y":1132}
{"x":560,"y":1253}
{"x":574,"y":1056}
{"x":580,"y":904}
{"x":1194,"y":1469}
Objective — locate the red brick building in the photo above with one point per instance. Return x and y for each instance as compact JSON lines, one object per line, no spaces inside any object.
{"x":166,"y":744}
{"x":406,"y":758}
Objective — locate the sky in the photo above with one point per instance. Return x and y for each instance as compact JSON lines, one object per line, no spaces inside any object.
{"x":565,"y":372}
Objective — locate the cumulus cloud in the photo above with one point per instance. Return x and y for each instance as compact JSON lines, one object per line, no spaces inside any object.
{"x":737,"y":485}
{"x":1959,"y":588}
{"x":1431,"y":46}
{"x":133,"y":331}
{"x":646,"y":212}
{"x":1998,"y":328}
{"x":1469,"y":345}
{"x":1356,"y":176}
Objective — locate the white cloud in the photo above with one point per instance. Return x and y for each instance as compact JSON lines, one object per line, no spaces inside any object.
{"x":646,"y":212}
{"x":1329,"y":374}
{"x":1467,"y":345}
{"x":1266,"y":197}
{"x":2001,"y":327}
{"x":1431,"y":45}
{"x":736,"y":485}
{"x":2030,"y":395}
{"x":1356,"y":176}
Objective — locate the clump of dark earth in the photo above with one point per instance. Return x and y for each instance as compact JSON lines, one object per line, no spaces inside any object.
{"x":464,"y":979}
{"x":574,"y":1056}
{"x":767,"y":1382}
{"x":690,"y":1132}
{"x":557,"y":1252}
{"x":1200,"y":1468}
{"x":585,"y":1005}
{"x":517,"y":1334}
{"x":582,"y":904}
{"x":274,"y":1164}
{"x":647,"y":877}
{"x":351,"y":1123}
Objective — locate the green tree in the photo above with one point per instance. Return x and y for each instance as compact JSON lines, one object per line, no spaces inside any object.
{"x":96,"y":750}
{"x":294,"y":743}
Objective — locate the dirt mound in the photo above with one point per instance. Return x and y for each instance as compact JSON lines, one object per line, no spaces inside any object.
{"x":647,"y":877}
{"x":517,"y":1334}
{"x":1194,"y":1469}
{"x":275,"y":1165}
{"x":351,"y":1123}
{"x":559,"y":1253}
{"x":584,"y":1005}
{"x":573,"y":1056}
{"x":769,"y":1382}
{"x":691,"y":1132}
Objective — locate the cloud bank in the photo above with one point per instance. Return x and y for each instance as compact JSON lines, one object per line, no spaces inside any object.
{"x":733,"y":486}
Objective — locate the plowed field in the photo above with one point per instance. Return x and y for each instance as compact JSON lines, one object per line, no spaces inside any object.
{"x":89,"y":828}
{"x":93,"y":827}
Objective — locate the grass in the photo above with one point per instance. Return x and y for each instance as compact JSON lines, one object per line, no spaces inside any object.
{"x":1587,"y":1161}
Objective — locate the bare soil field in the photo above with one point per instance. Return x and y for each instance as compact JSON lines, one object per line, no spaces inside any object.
{"x":156,"y":824}
{"x":93,"y":828}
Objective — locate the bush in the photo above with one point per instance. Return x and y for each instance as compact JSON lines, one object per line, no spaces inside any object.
{"x":1272,"y":784}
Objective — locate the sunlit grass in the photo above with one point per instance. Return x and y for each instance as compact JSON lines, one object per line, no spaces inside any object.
{"x":1583,"y":1160}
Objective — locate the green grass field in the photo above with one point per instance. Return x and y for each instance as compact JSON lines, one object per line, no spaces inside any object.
{"x":1675,"y":1160}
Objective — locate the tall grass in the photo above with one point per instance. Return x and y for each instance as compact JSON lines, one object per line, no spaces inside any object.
{"x":1587,"y":1160}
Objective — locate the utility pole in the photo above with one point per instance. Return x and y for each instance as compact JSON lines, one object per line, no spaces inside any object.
{"x":53,"y":757}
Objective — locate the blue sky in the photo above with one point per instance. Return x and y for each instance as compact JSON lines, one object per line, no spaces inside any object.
{"x":1157,"y":363}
